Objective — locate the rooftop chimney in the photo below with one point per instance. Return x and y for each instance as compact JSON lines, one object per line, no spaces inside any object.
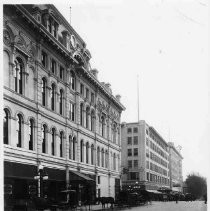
{"x":118,"y":97}
{"x":95,"y":73}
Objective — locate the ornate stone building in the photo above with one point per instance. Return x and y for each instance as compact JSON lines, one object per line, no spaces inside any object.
{"x":56,"y":112}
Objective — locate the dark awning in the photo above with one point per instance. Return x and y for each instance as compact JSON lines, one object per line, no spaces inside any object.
{"x":75,"y":175}
{"x":55,"y":174}
{"x":25,"y":171}
{"x":18,"y":170}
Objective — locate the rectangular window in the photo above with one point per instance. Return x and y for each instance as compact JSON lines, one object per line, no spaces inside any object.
{"x":134,"y":175}
{"x":129,"y":140}
{"x":135,"y":140}
{"x":81,"y":89}
{"x":72,"y":112}
{"x":135,"y":130}
{"x":99,"y":180}
{"x":61,"y":72}
{"x":53,"y":66}
{"x":135,"y":164}
{"x":44,"y":59}
{"x":150,"y":177}
{"x":129,"y":152}
{"x":147,"y":176}
{"x":92,"y":98}
{"x":87,"y":93}
{"x":129,"y":163}
{"x":129,"y":130}
{"x":55,"y":30}
{"x":147,"y":142}
{"x":135,"y":151}
{"x":147,"y":164}
{"x":50,"y":25}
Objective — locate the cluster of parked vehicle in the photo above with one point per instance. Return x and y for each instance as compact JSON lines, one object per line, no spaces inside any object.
{"x":125,"y":198}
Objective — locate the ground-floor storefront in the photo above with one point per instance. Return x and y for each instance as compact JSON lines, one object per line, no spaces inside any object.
{"x":20,"y":185}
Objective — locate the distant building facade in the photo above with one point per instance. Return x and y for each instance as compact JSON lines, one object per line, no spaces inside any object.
{"x":175,"y":168}
{"x":145,"y":157}
{"x":56,"y":112}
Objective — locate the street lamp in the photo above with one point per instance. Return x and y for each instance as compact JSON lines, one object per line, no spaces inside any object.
{"x":40,"y":177}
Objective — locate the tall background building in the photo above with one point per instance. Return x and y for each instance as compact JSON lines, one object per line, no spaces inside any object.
{"x":175,"y":166}
{"x":145,"y":157}
{"x":57,"y":115}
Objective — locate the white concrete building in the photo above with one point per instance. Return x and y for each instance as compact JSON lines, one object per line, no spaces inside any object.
{"x":175,"y":167}
{"x":145,"y":157}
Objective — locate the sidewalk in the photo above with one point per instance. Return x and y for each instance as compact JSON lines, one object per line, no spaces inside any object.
{"x":93,"y":207}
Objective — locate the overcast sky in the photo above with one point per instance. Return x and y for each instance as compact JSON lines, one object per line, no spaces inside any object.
{"x":165,"y":43}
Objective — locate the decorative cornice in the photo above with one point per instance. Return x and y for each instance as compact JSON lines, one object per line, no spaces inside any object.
{"x":99,"y":85}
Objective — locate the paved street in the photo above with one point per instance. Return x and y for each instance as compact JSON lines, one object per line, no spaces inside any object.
{"x":172,"y":206}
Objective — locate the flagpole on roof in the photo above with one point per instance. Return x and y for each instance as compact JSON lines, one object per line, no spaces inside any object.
{"x":138,"y":96}
{"x":70,"y":16}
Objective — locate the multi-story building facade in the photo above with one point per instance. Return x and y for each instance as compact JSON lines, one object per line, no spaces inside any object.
{"x":175,"y":167}
{"x":56,"y":112}
{"x":145,"y":157}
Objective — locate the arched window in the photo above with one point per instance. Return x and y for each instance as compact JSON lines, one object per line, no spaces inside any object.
{"x":74,"y":149}
{"x":103,"y":126}
{"x":44,"y":138}
{"x":61,"y":144}
{"x":98,"y":156}
{"x":114,"y":161}
{"x":6,"y":69}
{"x":87,"y":117}
{"x":118,"y":136}
{"x":20,"y":130}
{"x":87,"y":152}
{"x":44,"y":91}
{"x":81,"y":114}
{"x":19,"y":68}
{"x":61,"y":102}
{"x":70,"y":147}
{"x":92,"y":120}
{"x":114,"y":133}
{"x":107,"y":129}
{"x":81,"y":151}
{"x":31,"y":134}
{"x":53,"y":91}
{"x":106,"y":159}
{"x":53,"y":141}
{"x":102,"y":157}
{"x":6,"y":126}
{"x":92,"y":154}
{"x":72,"y":80}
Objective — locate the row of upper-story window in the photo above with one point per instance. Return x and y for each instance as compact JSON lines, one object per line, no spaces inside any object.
{"x":134,"y":129}
{"x":55,"y":94}
{"x":53,"y":143}
{"x":156,"y":158}
{"x":135,"y":140}
{"x":52,"y":27}
{"x":54,"y":67}
{"x":133,"y":163}
{"x":158,"y":169}
{"x":156,"y":178}
{"x":158,"y":142}
{"x":157,"y":149}
{"x":135,"y":152}
{"x":149,"y":177}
